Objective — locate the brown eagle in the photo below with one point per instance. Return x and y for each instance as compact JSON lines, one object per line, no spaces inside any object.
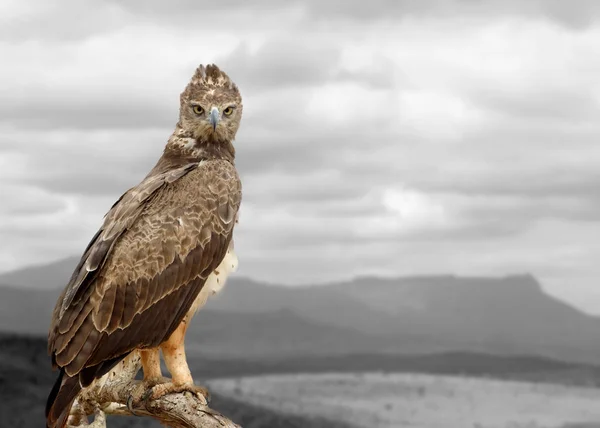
{"x":163,"y":248}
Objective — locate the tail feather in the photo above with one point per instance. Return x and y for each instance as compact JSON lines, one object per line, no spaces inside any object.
{"x":61,"y":399}
{"x":89,"y":374}
{"x":66,"y":388}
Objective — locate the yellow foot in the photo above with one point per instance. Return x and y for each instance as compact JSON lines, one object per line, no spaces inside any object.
{"x":163,"y":389}
{"x":138,"y":394}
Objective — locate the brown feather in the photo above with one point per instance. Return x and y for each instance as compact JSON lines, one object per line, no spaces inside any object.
{"x":144,"y":268}
{"x":75,"y":317}
{"x":69,"y":352}
{"x":61,"y":398}
{"x":63,"y":340}
{"x":170,"y":290}
{"x":104,"y":309}
{"x":116,"y":317}
{"x":132,"y":294}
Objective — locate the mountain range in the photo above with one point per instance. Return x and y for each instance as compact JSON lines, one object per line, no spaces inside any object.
{"x":510,"y":315}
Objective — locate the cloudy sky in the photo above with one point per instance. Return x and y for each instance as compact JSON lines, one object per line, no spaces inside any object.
{"x":381,"y":137}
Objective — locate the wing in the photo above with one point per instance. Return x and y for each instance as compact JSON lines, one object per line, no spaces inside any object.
{"x":146,"y":265}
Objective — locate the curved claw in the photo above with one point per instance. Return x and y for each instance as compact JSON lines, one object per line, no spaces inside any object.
{"x":130,"y":406}
{"x":139,"y":395}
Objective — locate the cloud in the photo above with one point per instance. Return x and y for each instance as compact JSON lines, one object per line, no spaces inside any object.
{"x":26,"y":201}
{"x":80,"y":162}
{"x":289,"y":61}
{"x":109,"y":82}
{"x":284,"y":61}
{"x":575,"y":14}
{"x":381,"y":137}
{"x":60,"y":21}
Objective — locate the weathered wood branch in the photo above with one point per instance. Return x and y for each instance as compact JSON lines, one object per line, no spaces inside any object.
{"x":110,"y":395}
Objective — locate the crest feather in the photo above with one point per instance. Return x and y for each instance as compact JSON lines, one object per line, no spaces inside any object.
{"x":211,"y":75}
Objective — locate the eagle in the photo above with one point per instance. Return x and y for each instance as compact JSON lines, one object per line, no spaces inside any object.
{"x":164,"y":247}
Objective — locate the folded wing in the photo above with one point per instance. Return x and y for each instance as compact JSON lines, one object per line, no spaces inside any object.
{"x":142,"y":271}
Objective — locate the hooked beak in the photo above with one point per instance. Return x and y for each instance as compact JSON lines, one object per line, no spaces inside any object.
{"x":214,"y":117}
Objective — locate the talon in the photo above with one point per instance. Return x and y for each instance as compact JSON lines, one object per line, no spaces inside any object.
{"x":203,"y":393}
{"x":139,"y":395}
{"x":147,"y":394}
{"x":130,"y":406}
{"x":170,"y":388}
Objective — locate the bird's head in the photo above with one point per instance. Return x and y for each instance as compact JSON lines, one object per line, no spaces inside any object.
{"x":211,"y":106}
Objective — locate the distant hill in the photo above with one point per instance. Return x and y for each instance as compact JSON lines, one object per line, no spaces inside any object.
{"x":323,"y":304}
{"x":48,"y":276}
{"x":283,"y":333}
{"x":221,"y":334}
{"x":510,"y":315}
{"x":26,"y":311}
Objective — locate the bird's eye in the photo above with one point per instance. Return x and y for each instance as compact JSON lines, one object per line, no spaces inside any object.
{"x":198,"y":109}
{"x":228,"y":111}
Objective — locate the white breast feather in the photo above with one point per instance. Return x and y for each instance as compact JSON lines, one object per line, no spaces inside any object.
{"x":215,"y":281}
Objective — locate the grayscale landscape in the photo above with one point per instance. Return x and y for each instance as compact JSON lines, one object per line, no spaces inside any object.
{"x":428,"y":351}
{"x":390,"y":400}
{"x":419,"y":231}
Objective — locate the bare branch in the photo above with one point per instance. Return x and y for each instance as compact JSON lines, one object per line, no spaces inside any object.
{"x":110,"y":394}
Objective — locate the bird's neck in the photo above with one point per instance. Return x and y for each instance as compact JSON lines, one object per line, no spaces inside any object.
{"x":183,"y":149}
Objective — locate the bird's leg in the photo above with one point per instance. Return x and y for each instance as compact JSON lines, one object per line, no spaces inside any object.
{"x":151,"y":364}
{"x":150,"y":359}
{"x":181,"y":378}
{"x":174,"y":354}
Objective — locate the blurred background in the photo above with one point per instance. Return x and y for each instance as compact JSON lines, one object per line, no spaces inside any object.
{"x":419,"y":234}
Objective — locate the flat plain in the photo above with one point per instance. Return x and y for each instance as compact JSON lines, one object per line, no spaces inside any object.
{"x":395,"y":400}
